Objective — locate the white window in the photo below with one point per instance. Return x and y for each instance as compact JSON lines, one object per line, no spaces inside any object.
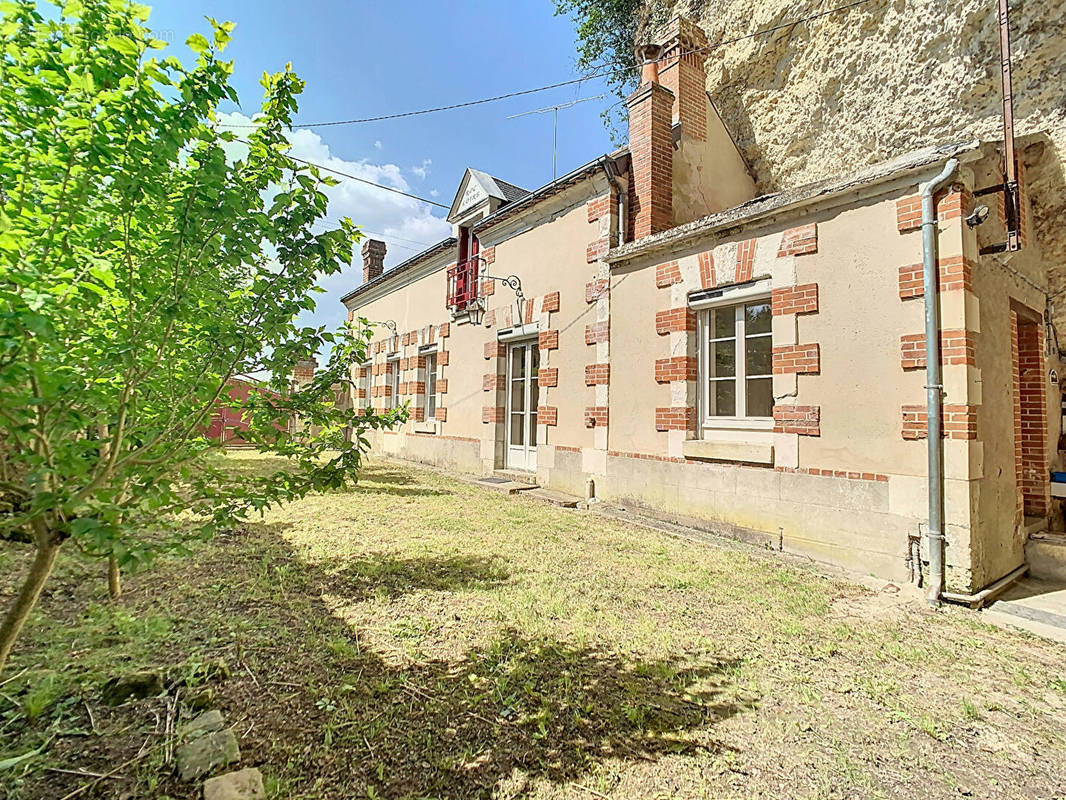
{"x":393,"y":382}
{"x":431,"y":385}
{"x":735,"y":363}
{"x":363,"y":385}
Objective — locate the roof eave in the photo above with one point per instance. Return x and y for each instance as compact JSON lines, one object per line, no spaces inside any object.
{"x":792,"y":200}
{"x":403,"y":266}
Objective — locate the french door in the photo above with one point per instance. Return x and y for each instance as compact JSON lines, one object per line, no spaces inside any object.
{"x":523,"y":361}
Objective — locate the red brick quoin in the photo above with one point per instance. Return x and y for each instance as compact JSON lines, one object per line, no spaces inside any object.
{"x":681,"y":418}
{"x":676,"y":368}
{"x":801,"y":359}
{"x":804,"y":420}
{"x":956,"y":347}
{"x":795,"y":299}
{"x":675,"y":319}
{"x":595,"y":415}
{"x":547,"y":415}
{"x":597,"y":374}
{"x":799,"y":241}
{"x":959,"y":421}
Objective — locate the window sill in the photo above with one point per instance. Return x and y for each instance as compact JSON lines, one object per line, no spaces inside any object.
{"x":426,"y":427}
{"x":746,"y":452}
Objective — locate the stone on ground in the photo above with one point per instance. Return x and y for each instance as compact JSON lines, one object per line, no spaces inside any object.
{"x":245,"y":784}
{"x":208,"y":722}
{"x":134,"y":686}
{"x":205,"y":754}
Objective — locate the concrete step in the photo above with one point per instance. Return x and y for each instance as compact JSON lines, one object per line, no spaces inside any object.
{"x":553,"y":497}
{"x":503,"y":485}
{"x":517,"y":475}
{"x":1046,"y":555}
{"x":1038,"y":606}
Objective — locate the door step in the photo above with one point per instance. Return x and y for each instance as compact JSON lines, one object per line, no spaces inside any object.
{"x":553,"y":497}
{"x":504,"y":486}
{"x":517,"y":475}
{"x":1033,"y":605}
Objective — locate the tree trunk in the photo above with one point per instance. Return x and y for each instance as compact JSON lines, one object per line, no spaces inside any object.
{"x":114,"y":578}
{"x":48,"y":545}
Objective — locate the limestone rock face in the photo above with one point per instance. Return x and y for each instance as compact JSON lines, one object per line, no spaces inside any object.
{"x":878,"y":80}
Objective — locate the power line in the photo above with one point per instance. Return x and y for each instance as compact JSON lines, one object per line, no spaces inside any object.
{"x":571,"y":82}
{"x":357,"y":178}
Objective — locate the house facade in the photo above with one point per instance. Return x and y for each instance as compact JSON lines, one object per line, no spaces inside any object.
{"x":645,"y":331}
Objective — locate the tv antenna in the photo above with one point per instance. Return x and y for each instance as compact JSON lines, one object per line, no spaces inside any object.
{"x":555,"y":120}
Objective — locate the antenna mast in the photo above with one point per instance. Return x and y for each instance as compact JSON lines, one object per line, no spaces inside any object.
{"x":555,"y":121}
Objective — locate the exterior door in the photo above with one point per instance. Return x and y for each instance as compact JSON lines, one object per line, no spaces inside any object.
{"x":523,"y":361}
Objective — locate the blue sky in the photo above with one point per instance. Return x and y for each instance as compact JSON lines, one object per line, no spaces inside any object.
{"x":368,"y":58}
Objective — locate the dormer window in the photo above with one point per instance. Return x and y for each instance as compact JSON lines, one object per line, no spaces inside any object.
{"x":462,"y":278}
{"x":479,"y":196}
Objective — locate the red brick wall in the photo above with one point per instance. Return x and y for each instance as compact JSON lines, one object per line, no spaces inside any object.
{"x":681,"y":418}
{"x":955,"y":273}
{"x":804,"y":420}
{"x":1033,"y":402}
{"x":958,"y":421}
{"x":597,"y":332}
{"x":651,"y":149}
{"x":547,"y":415}
{"x":801,"y":359}
{"x":676,"y":368}
{"x":548,"y":340}
{"x":548,"y":377}
{"x":595,"y":415}
{"x":799,"y":241}
{"x":795,"y":299}
{"x":667,"y":274}
{"x":675,"y":319}
{"x":956,"y":347}
{"x":596,"y":374}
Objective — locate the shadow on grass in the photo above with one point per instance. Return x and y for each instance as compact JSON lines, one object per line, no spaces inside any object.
{"x":399,"y":491}
{"x":523,"y":709}
{"x":394,"y":577}
{"x":329,"y":708}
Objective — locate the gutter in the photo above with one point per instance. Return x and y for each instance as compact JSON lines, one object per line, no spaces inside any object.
{"x":934,"y":390}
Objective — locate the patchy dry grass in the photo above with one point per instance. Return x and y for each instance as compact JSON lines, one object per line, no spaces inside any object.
{"x":418,"y":636}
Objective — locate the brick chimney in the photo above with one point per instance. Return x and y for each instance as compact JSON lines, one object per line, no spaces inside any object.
{"x":681,"y":70}
{"x":373,"y":259}
{"x":304,"y":371}
{"x":651,"y":148}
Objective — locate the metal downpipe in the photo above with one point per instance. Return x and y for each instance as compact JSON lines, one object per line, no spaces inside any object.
{"x":934,"y":391}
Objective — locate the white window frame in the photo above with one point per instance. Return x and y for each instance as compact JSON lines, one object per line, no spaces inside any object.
{"x":429,"y":399}
{"x":754,"y":293}
{"x":392,"y":400}
{"x":363,"y":385}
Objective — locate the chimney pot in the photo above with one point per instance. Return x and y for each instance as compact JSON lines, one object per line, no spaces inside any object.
{"x":649,"y":63}
{"x":373,"y":259}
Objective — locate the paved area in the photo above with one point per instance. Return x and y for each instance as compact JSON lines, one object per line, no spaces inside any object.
{"x":1038,"y":606}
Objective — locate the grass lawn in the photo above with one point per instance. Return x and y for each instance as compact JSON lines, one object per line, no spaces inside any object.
{"x":418,"y":636}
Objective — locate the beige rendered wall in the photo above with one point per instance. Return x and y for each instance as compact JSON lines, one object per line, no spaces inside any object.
{"x":867,"y":495}
{"x":546,"y":248}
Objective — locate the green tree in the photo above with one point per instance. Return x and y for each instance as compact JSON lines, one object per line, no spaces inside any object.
{"x":608,"y":32}
{"x":146,"y":258}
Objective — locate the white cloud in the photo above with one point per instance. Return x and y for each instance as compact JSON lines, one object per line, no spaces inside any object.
{"x":406,"y":225}
{"x":423,"y":170}
{"x":378,"y":145}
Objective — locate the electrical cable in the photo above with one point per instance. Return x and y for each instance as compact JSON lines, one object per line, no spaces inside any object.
{"x":571,"y":82}
{"x":357,"y":178}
